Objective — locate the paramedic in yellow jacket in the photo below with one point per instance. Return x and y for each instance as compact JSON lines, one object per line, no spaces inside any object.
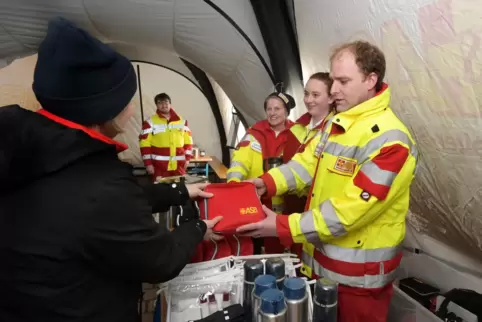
{"x":360,"y":180}
{"x":165,"y":141}
{"x":264,"y":140}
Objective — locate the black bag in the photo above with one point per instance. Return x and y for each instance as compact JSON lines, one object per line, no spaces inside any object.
{"x":418,"y":290}
{"x":467,"y":299}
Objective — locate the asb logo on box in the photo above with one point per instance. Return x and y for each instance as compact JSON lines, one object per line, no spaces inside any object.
{"x":248,"y":211}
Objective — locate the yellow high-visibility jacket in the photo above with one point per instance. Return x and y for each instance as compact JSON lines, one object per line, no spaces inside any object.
{"x":166,"y":144}
{"x":299,"y":137}
{"x":360,"y":178}
{"x":258,"y":144}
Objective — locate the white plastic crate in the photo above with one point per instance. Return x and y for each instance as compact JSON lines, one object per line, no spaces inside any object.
{"x":242,"y":258}
{"x":432,"y":271}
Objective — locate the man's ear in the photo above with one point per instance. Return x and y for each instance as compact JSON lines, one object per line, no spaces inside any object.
{"x":371,"y":81}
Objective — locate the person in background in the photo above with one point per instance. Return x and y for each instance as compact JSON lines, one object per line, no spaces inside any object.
{"x":265,"y":139}
{"x":360,"y":188}
{"x":165,"y":141}
{"x":320,"y":109}
{"x":77,"y":235}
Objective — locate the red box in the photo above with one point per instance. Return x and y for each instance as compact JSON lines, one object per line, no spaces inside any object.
{"x":237,"y":202}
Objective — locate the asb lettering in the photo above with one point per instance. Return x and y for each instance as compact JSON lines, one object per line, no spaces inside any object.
{"x":248,"y":211}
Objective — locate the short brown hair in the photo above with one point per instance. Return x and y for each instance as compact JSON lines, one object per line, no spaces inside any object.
{"x":368,"y":57}
{"x":323,"y":77}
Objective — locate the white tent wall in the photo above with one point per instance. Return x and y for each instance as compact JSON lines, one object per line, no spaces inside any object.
{"x":433,"y":68}
{"x":16,"y":83}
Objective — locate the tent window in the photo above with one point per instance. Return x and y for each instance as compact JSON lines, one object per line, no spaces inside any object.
{"x":237,"y":129}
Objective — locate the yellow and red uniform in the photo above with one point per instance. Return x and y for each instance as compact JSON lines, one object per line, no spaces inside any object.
{"x":166,"y":144}
{"x":301,"y":134}
{"x":259,"y":144}
{"x":360,"y":170}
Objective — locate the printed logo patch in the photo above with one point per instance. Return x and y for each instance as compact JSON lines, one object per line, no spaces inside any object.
{"x":345,"y":165}
{"x":248,"y":211}
{"x":365,"y":195}
{"x":256,"y":146}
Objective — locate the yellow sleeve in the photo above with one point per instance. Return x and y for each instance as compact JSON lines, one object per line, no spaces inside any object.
{"x":380,"y":180}
{"x":242,"y":160}
{"x":188,"y":142}
{"x":145,"y":142}
{"x":294,"y":176}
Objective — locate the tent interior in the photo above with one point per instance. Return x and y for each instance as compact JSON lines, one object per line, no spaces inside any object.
{"x":216,"y":57}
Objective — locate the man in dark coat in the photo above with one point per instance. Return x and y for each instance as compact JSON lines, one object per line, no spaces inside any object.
{"x":77,"y":235}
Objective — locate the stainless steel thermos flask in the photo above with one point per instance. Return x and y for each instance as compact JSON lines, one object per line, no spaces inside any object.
{"x":273,"y":307}
{"x":252,"y":269}
{"x":296,"y":298}
{"x":261,"y":284}
{"x":276,"y":267}
{"x":325,"y":301}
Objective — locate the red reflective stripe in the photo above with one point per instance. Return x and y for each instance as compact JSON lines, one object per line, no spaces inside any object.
{"x":243,"y":144}
{"x":392,"y":158}
{"x":378,"y":190}
{"x":357,"y":269}
{"x":146,"y":125}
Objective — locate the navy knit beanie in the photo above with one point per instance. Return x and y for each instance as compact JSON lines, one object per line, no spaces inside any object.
{"x":79,"y":78}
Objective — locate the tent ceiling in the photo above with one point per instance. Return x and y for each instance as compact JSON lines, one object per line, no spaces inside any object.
{"x":190,"y":29}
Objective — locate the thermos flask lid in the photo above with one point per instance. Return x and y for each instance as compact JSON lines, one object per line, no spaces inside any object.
{"x":275,"y":267}
{"x":272,"y":301}
{"x":326,"y":291}
{"x":252,"y":269}
{"x":294,"y":288}
{"x":263,"y":283}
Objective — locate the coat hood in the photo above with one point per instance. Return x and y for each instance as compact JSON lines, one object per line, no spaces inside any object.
{"x":33,"y":146}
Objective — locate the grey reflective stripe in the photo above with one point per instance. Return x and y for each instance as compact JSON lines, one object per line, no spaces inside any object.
{"x":239,"y":164}
{"x":288,"y":175}
{"x":146,"y":157}
{"x":303,"y":174}
{"x":308,"y":229}
{"x":333,"y":223}
{"x":366,"y":281}
{"x":377,"y":175}
{"x":307,"y":259}
{"x":358,"y":255}
{"x":234,"y":175}
{"x":146,"y":131}
{"x":176,"y":126}
{"x":362,"y":153}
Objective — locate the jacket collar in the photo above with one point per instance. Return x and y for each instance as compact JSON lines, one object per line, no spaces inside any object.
{"x":173,"y":116}
{"x":376,"y":104}
{"x":305,"y":120}
{"x":92,"y":133}
{"x":264,"y":126}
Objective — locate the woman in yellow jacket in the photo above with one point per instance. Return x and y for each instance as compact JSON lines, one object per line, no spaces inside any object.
{"x":264,"y":142}
{"x":319,"y":106}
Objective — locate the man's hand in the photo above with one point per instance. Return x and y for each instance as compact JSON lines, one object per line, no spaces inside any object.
{"x":210,"y":235}
{"x":264,"y":228}
{"x":150,"y":169}
{"x":196,"y":190}
{"x":260,"y":186}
